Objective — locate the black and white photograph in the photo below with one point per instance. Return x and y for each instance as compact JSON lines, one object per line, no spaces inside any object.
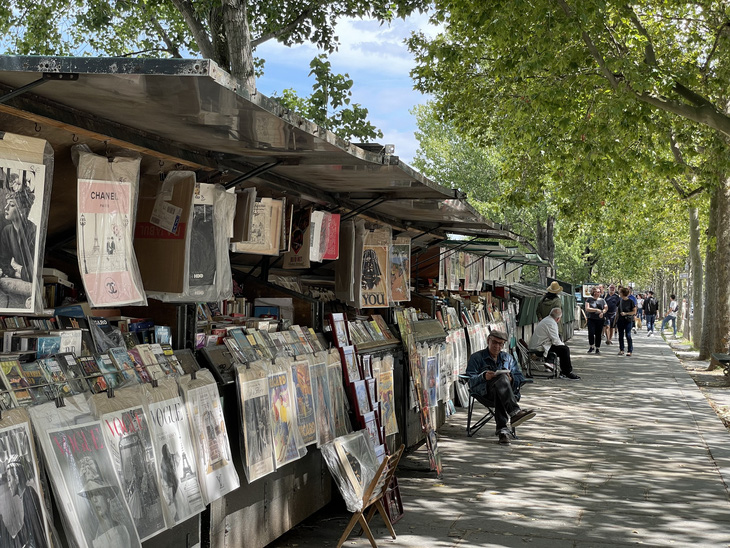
{"x":21,"y":197}
{"x":257,"y":428}
{"x":129,"y":443}
{"x":22,"y":514}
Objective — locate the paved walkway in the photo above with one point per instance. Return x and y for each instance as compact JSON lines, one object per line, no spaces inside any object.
{"x":631,"y":454}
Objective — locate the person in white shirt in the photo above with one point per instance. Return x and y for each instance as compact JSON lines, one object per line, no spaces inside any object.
{"x":547,"y":339}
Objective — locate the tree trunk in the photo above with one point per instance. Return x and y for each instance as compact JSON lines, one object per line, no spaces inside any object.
{"x":707,"y":342}
{"x":722,"y":314}
{"x":695,"y":257}
{"x":546,"y":246}
{"x":238,"y":37}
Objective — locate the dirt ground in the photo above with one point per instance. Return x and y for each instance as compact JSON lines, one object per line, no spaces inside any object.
{"x":715,"y":385}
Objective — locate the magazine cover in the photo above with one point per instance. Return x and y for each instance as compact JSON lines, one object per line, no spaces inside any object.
{"x":305,"y":401}
{"x":177,"y":467}
{"x":322,"y":403}
{"x":215,"y":466}
{"x":283,"y":418}
{"x":400,"y":270}
{"x":22,"y":511}
{"x":74,"y":372}
{"x":129,"y":442}
{"x":375,"y":270}
{"x":54,"y":374}
{"x":13,"y":377}
{"x":22,"y":227}
{"x":298,"y":254}
{"x":79,"y":465}
{"x":257,"y":434}
{"x":40,"y":389}
{"x":337,"y":395}
{"x":7,"y":400}
{"x":107,"y":201}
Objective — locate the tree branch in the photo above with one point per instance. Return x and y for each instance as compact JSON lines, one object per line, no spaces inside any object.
{"x":171,"y":47}
{"x":283,"y":30}
{"x":704,"y":68}
{"x":649,"y":54}
{"x":679,"y":158}
{"x":197,"y":28}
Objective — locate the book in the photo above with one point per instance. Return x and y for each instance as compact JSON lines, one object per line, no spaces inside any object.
{"x":265,"y":233}
{"x":245,"y":202}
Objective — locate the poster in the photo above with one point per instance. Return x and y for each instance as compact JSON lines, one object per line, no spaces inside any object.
{"x":22,"y":187}
{"x":387,"y":401}
{"x":22,"y":512}
{"x":299,"y":254}
{"x":176,"y":464}
{"x":107,"y":198}
{"x":215,"y":466}
{"x":258,"y":440}
{"x":81,"y":470}
{"x":375,"y":270}
{"x":128,"y":439}
{"x":400,"y":270}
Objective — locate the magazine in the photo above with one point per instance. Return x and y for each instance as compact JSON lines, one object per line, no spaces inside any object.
{"x":305,"y":401}
{"x":257,"y":435}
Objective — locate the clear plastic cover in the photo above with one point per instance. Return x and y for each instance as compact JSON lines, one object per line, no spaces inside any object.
{"x":324,"y":402}
{"x":288,"y":442}
{"x":353,"y":464}
{"x":23,"y":510}
{"x":212,"y":449}
{"x":257,"y":443}
{"x":209,"y":268}
{"x":128,"y":437}
{"x":400,"y":270}
{"x":26,"y":172}
{"x":174,"y":450}
{"x":375,"y":272}
{"x":107,"y":205}
{"x":93,"y":509}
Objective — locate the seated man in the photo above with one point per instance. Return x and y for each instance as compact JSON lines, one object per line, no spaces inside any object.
{"x":495,"y":376}
{"x":546,"y":338}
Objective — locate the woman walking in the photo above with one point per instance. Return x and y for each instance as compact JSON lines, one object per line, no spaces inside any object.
{"x":596,"y":309}
{"x":625,"y":321}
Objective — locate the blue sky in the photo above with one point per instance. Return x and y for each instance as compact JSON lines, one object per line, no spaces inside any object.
{"x":378,"y":62}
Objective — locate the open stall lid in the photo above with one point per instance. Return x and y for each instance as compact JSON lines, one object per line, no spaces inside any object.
{"x":192,"y":110}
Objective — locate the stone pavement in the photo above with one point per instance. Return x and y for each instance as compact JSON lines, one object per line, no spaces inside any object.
{"x":631,"y":454}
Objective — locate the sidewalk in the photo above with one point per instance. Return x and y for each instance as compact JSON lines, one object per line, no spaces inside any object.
{"x":631,"y":454}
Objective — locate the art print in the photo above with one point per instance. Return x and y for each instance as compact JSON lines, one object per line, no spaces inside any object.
{"x":22,"y":187}
{"x":337,"y":395}
{"x":374,"y":277}
{"x":400,"y":272}
{"x":283,"y":419}
{"x":176,"y":464}
{"x":107,"y":197}
{"x":258,"y":438}
{"x":127,"y":434}
{"x":322,"y":403}
{"x":22,"y":512}
{"x":387,"y":400}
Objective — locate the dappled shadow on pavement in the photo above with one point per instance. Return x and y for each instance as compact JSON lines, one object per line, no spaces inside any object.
{"x":631,"y":454}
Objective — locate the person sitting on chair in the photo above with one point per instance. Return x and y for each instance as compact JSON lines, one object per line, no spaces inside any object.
{"x":495,"y":377}
{"x":547,"y":339}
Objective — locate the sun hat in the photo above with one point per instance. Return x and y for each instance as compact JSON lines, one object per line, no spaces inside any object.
{"x":555,"y":287}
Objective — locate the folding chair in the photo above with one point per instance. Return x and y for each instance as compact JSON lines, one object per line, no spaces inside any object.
{"x":372,"y":500}
{"x":534,"y":364}
{"x":489,"y":415}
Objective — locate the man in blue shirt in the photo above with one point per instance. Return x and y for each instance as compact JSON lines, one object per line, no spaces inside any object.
{"x":495,"y":376}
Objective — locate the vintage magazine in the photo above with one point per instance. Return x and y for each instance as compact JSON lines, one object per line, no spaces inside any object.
{"x":285,"y":429}
{"x":375,"y":273}
{"x":23,"y":517}
{"x":90,"y":499}
{"x":107,"y":201}
{"x":400,"y":270}
{"x":265,"y":233}
{"x":298,"y":255}
{"x":305,"y":400}
{"x":13,"y":376}
{"x":23,"y":198}
{"x":325,"y":418}
{"x":129,"y":442}
{"x":256,"y":421}
{"x":387,"y":401}
{"x":337,"y":395}
{"x":216,"y":470}
{"x":176,"y":464}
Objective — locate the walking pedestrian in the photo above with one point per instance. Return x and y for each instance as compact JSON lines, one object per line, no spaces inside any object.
{"x":671,"y":315}
{"x":651,"y":306}
{"x":639,"y":310}
{"x":625,"y":321}
{"x":609,"y":319}
{"x":633,"y":299}
{"x":595,"y":311}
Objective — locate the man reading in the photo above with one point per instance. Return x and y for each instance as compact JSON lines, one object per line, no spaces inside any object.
{"x":495,"y":377}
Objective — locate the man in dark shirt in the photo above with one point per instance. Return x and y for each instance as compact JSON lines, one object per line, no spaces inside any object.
{"x":650,"y":310}
{"x":495,"y":376}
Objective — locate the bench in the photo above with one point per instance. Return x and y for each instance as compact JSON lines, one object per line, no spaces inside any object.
{"x":724,"y":360}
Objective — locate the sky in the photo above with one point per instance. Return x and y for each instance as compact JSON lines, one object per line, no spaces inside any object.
{"x":378,"y":61}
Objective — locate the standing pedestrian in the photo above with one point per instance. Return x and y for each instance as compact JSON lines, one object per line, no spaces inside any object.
{"x":551,"y":300}
{"x":639,"y":310}
{"x":671,"y":315}
{"x":625,"y":321}
{"x":633,"y":299}
{"x":595,"y":310}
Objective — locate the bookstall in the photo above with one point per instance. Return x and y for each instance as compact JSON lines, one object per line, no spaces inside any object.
{"x":163,"y":219}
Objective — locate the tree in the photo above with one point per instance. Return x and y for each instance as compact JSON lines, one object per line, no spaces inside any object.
{"x":580,"y":65}
{"x":226,"y":31}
